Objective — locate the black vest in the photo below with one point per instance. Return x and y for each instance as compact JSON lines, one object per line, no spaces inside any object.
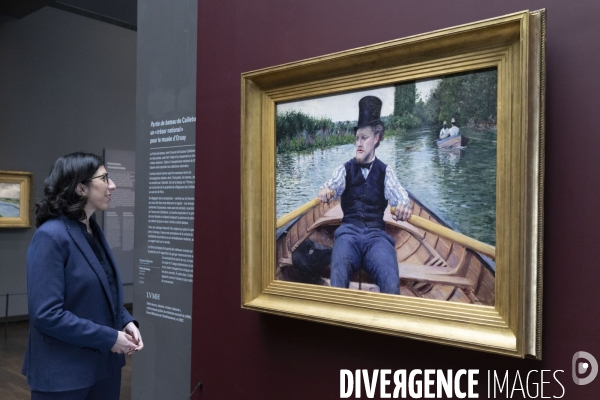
{"x":363,"y":200}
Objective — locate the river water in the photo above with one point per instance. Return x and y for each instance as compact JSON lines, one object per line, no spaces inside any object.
{"x":459,"y":185}
{"x":9,"y":210}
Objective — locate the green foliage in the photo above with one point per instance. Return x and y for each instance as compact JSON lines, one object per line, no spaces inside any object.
{"x":409,"y":110}
{"x":396,"y":124}
{"x":405,"y":95}
{"x":10,"y":200}
{"x":297,"y":131}
{"x":425,"y":114}
{"x":318,"y":143}
{"x":469,"y":98}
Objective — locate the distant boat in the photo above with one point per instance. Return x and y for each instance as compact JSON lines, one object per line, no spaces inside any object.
{"x":434,"y":261}
{"x":452,"y":142}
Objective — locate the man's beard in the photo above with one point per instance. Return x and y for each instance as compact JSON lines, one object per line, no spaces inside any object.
{"x":362,"y":159}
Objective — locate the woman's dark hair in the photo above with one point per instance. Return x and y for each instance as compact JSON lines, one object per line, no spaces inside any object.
{"x":60,"y":197}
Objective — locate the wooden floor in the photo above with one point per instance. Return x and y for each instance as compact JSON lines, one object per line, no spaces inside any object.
{"x":13,"y":385}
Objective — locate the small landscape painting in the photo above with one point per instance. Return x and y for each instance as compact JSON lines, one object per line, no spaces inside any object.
{"x":10,"y":200}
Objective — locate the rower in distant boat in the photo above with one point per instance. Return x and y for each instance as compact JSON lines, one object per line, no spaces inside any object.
{"x":445,"y":132}
{"x":454,"y":139}
{"x":454,"y":131}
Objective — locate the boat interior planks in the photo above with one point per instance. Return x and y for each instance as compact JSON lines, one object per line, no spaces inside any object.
{"x":430,"y":266}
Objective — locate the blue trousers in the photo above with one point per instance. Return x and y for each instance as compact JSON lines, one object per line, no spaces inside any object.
{"x":107,"y":389}
{"x":371,"y":249}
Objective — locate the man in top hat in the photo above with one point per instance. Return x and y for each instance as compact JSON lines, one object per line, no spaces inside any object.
{"x":445,"y":132}
{"x":366,"y":186}
{"x":454,"y":131}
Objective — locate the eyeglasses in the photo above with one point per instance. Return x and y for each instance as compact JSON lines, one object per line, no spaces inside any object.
{"x":104,"y":177}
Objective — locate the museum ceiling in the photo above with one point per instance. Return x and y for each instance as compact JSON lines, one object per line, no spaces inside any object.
{"x":118,"y":12}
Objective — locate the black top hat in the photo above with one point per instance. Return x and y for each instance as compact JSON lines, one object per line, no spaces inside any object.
{"x":369,"y":111}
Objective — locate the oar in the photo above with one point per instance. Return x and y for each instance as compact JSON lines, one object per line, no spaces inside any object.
{"x":415,"y":220}
{"x":448,"y":233}
{"x":284,"y":219}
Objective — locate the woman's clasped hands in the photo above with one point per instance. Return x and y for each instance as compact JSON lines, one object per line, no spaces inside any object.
{"x":128,"y":340}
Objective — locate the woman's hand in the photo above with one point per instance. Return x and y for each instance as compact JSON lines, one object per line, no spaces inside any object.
{"x":134,"y":332}
{"x":125,"y":344}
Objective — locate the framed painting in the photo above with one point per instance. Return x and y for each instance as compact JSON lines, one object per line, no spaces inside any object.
{"x":15,"y":199}
{"x":397,"y":188}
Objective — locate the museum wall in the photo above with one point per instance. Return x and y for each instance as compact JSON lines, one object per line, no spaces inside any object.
{"x":244,"y":354}
{"x":67,"y":83}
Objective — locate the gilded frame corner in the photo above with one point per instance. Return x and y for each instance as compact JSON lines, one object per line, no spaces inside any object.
{"x":514,"y":44}
{"x":24,"y":180}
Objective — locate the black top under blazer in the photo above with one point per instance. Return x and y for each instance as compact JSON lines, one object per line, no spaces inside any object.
{"x":73,"y":322}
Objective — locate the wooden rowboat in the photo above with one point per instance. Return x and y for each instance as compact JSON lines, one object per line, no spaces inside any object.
{"x":452,"y":142}
{"x":434,"y":261}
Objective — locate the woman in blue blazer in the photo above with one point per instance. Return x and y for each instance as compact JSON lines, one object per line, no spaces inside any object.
{"x":79,"y":330}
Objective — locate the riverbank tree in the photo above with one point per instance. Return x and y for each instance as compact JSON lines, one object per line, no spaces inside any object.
{"x":470,"y":98}
{"x":410,"y":111}
{"x":298,"y":131}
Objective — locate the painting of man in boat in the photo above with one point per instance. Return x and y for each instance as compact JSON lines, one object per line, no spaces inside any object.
{"x":415,"y":218}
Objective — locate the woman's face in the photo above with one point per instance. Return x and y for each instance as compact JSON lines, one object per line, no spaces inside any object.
{"x":99,"y":191}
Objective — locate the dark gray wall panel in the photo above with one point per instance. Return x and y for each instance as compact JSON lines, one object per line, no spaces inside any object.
{"x":165,"y":176}
{"x":67,"y":83}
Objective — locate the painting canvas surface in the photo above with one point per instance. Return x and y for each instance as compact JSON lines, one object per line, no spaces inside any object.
{"x":451,"y":182}
{"x":10,"y":204}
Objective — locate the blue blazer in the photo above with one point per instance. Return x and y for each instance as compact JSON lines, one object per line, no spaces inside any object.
{"x":73,"y":324}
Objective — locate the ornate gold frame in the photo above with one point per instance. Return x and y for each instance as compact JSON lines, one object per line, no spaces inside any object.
{"x":25,"y":180}
{"x":515,"y":45}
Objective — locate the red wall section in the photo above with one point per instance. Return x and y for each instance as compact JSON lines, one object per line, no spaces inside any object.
{"x":244,"y":354}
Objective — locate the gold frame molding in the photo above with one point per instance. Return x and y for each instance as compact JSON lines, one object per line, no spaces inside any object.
{"x":25,"y":180}
{"x":514,"y":44}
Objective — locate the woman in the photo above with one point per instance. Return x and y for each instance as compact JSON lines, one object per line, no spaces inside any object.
{"x":79,"y":330}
